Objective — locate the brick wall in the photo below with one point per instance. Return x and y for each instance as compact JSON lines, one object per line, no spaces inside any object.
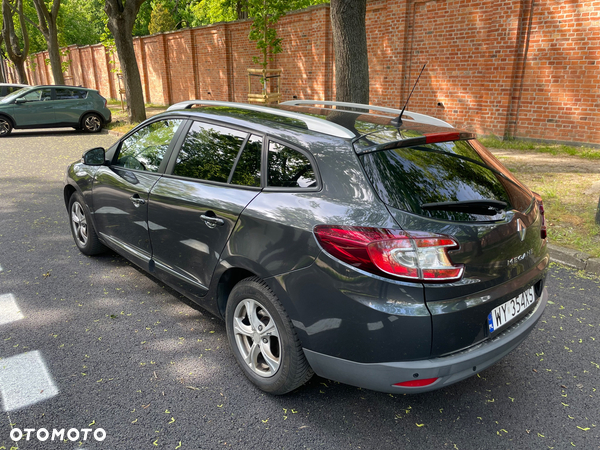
{"x":518,"y":68}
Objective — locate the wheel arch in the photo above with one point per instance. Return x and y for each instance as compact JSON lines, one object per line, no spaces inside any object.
{"x":227,"y":282}
{"x":68,"y":191}
{"x":3,"y":115}
{"x":97,"y":113}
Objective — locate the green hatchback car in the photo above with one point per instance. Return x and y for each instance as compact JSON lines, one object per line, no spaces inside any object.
{"x":53,"y":107}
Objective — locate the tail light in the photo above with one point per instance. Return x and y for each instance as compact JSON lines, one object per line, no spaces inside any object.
{"x":544,"y":230}
{"x":413,"y":256}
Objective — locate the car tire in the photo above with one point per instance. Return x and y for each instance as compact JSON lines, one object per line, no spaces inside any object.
{"x":5,"y":126}
{"x":91,"y":123}
{"x":276,"y":364}
{"x":82,"y":228}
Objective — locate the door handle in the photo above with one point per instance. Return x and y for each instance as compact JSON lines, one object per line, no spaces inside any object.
{"x":137,"y":201}
{"x":212,"y":221}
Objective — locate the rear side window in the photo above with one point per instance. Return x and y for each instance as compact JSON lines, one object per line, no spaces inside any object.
{"x":247,"y":169}
{"x":408,"y":178}
{"x":69,"y":94}
{"x":209,"y":152}
{"x":289,"y":168}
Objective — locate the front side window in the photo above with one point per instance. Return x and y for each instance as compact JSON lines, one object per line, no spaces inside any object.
{"x":209,"y":152}
{"x":289,"y":168}
{"x":146,"y":148}
{"x":38,"y":95}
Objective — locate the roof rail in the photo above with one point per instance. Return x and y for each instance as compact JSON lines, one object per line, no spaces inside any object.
{"x":413,"y":116}
{"x":312,"y":123}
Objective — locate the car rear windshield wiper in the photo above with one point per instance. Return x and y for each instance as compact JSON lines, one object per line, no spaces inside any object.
{"x":483,"y":207}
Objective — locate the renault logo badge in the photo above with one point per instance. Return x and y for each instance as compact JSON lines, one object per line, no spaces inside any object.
{"x":521,"y":229}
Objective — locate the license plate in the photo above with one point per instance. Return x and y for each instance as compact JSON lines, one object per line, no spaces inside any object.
{"x":504,"y":313}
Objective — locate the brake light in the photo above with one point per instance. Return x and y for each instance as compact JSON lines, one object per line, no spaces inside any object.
{"x":544,"y":230}
{"x":413,"y":256}
{"x":417,"y":383}
{"x":432,"y":138}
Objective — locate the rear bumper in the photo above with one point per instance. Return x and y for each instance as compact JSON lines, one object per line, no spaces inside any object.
{"x":448,"y":369}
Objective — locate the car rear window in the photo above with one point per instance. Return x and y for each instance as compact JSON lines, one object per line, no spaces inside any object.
{"x":410,"y":177}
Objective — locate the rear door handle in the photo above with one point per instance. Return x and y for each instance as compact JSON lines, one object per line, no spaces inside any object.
{"x":212,"y":221}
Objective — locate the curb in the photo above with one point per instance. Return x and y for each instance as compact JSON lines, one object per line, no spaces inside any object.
{"x":574,"y":259}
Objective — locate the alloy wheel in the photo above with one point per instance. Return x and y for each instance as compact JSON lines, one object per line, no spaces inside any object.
{"x":257,"y":337}
{"x":79,"y":224}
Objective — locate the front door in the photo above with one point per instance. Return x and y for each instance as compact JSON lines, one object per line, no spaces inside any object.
{"x":120,"y":191}
{"x":37,"y":108}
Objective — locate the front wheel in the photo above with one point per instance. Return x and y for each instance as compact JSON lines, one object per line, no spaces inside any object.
{"x":263,"y":339}
{"x":5,"y":127}
{"x":82,"y":229}
{"x":91,"y":123}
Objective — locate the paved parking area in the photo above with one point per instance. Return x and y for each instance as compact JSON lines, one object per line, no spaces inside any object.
{"x":94,"y":344}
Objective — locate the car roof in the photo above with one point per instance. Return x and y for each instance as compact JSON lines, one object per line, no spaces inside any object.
{"x":340,"y":119}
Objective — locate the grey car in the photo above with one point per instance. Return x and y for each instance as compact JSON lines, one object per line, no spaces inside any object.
{"x":380,"y":249}
{"x":53,"y":107}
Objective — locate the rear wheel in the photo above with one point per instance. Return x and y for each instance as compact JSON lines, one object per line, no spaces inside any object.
{"x":82,"y":229}
{"x":263,"y":339}
{"x":5,"y":126}
{"x":91,"y":123}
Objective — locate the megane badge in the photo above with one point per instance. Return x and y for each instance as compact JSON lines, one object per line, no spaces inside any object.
{"x":521,"y":229}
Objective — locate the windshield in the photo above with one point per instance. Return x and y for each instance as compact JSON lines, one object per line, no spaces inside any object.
{"x":447,"y":180}
{"x":10,"y":97}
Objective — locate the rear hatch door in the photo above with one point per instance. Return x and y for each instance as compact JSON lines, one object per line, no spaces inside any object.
{"x":459,"y":189}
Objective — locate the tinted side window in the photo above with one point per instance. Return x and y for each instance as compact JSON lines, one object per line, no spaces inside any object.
{"x":247,"y":170}
{"x":289,"y":168}
{"x":38,"y":95}
{"x":146,"y":148}
{"x":208,"y":152}
{"x":70,"y":94}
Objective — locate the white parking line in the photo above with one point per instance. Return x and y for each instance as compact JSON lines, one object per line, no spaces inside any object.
{"x":9,"y":310}
{"x":25,"y":380}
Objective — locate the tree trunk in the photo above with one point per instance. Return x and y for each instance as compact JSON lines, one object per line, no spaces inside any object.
{"x":47,"y":26}
{"x":54,"y":54}
{"x":121,"y":18}
{"x":348,"y":22}
{"x":13,"y":47}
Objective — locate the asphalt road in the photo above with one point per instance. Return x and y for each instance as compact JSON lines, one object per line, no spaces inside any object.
{"x":93,"y":343}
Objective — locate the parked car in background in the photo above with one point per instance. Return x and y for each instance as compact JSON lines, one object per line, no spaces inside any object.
{"x":53,"y":107}
{"x":384,"y":251}
{"x":9,"y":88}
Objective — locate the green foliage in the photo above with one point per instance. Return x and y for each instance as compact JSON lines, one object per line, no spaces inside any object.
{"x":265,"y":15}
{"x":161,"y":20}
{"x":80,"y":22}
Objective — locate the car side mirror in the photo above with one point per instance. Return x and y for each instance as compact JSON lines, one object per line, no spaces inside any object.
{"x":94,"y":157}
{"x":20,"y":101}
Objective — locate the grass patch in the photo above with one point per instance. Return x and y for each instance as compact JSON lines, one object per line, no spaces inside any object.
{"x":554,"y":149}
{"x":120,"y":119}
{"x":570,"y":205}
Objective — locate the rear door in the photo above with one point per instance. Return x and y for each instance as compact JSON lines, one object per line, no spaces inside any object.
{"x":120,"y":192}
{"x":458,"y":189}
{"x":194,"y":207}
{"x":70,"y":104}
